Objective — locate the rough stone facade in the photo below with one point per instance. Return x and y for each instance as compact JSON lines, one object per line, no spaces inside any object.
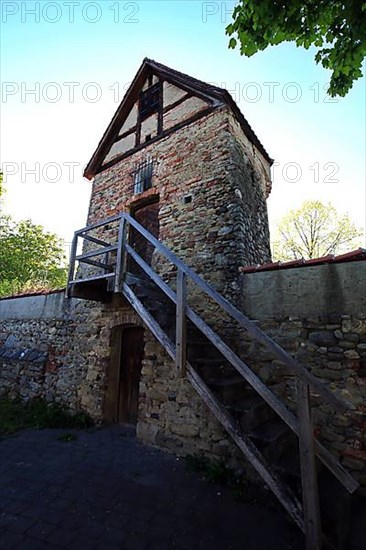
{"x":171,"y":415}
{"x":36,"y":335}
{"x":225,"y":225}
{"x":211,"y":183}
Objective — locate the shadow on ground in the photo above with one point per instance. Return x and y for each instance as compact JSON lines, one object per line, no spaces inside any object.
{"x":101,"y":489}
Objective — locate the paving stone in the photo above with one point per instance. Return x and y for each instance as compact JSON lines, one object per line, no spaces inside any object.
{"x":10,"y":540}
{"x":20,"y":524}
{"x":127,"y":497}
{"x":82,"y":542}
{"x":61,"y":537}
{"x":41,"y":530}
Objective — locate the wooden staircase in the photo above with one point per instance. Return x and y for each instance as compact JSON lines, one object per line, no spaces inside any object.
{"x":279,"y":444}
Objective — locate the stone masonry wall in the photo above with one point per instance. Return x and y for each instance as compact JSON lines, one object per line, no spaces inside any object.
{"x":318,"y":314}
{"x":62,"y":352}
{"x":202,"y":161}
{"x":334,"y":349}
{"x":35,"y":339}
{"x":171,"y":415}
{"x":224,"y":224}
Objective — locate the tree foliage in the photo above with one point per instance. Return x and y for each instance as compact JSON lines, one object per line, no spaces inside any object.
{"x":30,"y":257}
{"x":1,"y":185}
{"x":315,"y":230}
{"x":336,"y":28}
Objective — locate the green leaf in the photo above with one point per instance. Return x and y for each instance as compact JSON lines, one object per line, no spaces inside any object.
{"x":338,"y":24}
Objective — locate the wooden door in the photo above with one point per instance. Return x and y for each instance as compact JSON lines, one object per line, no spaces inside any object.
{"x":148,"y":217}
{"x":132,"y":347}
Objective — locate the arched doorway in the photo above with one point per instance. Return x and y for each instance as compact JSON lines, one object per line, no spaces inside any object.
{"x":123,"y":375}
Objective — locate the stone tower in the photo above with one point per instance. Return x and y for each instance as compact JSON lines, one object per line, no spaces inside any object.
{"x":181,"y":157}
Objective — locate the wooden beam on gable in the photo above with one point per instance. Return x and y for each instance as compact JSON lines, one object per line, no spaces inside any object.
{"x":213,"y":95}
{"x":164,"y":134}
{"x":161,"y":105}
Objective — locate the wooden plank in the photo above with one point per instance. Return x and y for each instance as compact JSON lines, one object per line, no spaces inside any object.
{"x":94,"y":239}
{"x":294,"y":365}
{"x":91,"y":279}
{"x":151,"y":273}
{"x":161,"y":105}
{"x":164,"y":134}
{"x":120,"y":255}
{"x":70,"y":275}
{"x":181,"y":325}
{"x":97,"y":252}
{"x":176,"y":103}
{"x":287,"y":498}
{"x":342,"y":475}
{"x":284,"y":495}
{"x":336,"y":468}
{"x":273,"y":401}
{"x":125,"y":134}
{"x":260,"y":387}
{"x":97,"y":264}
{"x":95,"y":225}
{"x":138,"y":125}
{"x":149,"y":320}
{"x":325,"y":456}
{"x":309,"y":481}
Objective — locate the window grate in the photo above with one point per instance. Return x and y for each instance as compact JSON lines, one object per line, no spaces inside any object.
{"x":143,"y":175}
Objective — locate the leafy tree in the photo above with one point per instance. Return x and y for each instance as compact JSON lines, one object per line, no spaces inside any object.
{"x":315,"y":230}
{"x":336,"y":27}
{"x":1,"y":185}
{"x":30,"y":257}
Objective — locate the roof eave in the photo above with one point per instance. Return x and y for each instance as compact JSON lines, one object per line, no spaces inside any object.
{"x":216,"y":96}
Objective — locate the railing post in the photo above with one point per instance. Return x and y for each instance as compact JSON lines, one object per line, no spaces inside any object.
{"x":309,"y":480}
{"x":181,"y":322}
{"x":70,"y":275}
{"x":120,"y":255}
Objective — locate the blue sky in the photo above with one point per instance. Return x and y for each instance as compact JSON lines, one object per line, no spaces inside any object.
{"x":78,"y":58}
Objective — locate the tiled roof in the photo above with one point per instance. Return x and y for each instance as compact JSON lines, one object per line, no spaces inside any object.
{"x":353,"y":256}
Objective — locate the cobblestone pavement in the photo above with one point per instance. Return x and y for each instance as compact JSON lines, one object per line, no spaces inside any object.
{"x":104,"y":490}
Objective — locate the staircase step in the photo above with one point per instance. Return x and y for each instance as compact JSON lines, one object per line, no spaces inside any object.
{"x":132,"y":279}
{"x":228,"y":389}
{"x":142,"y":291}
{"x":210,"y":367}
{"x":270,"y":431}
{"x":273,"y":438}
{"x":251,"y":411}
{"x":288,"y":465}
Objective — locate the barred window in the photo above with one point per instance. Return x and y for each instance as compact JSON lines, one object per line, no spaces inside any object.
{"x":142,"y":176}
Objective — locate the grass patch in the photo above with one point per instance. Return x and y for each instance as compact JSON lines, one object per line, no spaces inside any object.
{"x":196,"y":462}
{"x":217,"y":471}
{"x":15,"y":416}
